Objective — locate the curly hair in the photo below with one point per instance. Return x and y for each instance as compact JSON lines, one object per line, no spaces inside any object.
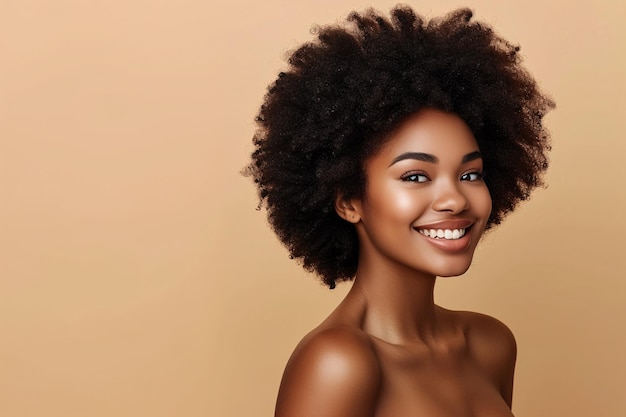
{"x":347,"y":90}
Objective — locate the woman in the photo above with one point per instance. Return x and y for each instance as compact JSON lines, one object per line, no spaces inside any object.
{"x":383,"y":153}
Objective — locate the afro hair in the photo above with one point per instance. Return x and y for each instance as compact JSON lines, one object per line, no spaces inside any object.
{"x":344,"y":92}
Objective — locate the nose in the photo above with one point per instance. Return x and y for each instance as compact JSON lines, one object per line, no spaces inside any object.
{"x":450,"y":199}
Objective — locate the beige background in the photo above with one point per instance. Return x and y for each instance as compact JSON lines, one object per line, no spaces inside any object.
{"x":136,"y":277}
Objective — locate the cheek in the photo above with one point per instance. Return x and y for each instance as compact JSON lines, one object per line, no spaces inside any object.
{"x":391,"y":201}
{"x":398,"y":202}
{"x":483,"y":202}
{"x":404,"y":202}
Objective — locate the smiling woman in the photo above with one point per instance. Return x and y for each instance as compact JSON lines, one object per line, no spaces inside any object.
{"x":425,"y":205}
{"x":370,"y":158}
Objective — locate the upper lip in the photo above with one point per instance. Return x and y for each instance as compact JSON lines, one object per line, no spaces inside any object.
{"x":447,"y":224}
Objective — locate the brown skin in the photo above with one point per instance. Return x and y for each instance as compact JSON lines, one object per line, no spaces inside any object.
{"x":388,"y":350}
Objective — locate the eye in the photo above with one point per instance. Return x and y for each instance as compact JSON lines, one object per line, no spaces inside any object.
{"x":415,"y":177}
{"x":472,"y":176}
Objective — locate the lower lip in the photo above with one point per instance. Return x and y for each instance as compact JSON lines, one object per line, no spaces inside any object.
{"x":450,"y":245}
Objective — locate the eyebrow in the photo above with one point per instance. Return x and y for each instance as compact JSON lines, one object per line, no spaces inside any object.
{"x":432,"y":159}
{"x":472,"y":156}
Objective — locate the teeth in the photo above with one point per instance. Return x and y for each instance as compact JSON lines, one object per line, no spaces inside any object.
{"x":443,"y":233}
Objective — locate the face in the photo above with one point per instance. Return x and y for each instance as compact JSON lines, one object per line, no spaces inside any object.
{"x":426,"y":204}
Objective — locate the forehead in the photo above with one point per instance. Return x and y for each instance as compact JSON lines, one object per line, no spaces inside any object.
{"x":442,"y":134}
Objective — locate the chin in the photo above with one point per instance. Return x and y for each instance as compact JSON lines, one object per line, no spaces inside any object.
{"x":452,"y":274}
{"x":451,"y":271}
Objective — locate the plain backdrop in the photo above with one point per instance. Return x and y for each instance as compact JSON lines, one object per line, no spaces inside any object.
{"x":136,"y":276}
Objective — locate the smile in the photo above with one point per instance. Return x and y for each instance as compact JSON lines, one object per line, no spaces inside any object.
{"x":448,"y":234}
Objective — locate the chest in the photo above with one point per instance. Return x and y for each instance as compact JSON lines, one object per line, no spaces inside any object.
{"x":449,"y":385}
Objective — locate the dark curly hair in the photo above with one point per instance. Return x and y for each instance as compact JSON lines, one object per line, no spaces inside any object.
{"x":343,"y":93}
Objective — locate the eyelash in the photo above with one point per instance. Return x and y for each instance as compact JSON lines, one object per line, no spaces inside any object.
{"x":412,"y":175}
{"x":479,"y":175}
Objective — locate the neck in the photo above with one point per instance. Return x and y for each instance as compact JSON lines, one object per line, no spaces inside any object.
{"x":398,"y":302}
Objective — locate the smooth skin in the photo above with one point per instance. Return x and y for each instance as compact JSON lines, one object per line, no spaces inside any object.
{"x":388,"y":350}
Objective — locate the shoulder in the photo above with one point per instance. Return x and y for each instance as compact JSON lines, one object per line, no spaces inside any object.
{"x":493,"y":348}
{"x":334,"y":371}
{"x":488,"y":333}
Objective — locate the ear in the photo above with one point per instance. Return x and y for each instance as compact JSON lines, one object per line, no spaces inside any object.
{"x":349,"y":210}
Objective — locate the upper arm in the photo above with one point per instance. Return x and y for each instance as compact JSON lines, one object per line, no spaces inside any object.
{"x":494,"y":347}
{"x":334,"y":373}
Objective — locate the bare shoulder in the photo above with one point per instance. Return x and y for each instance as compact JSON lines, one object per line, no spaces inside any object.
{"x":489,"y":338}
{"x":334,"y":371}
{"x":493,"y":348}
